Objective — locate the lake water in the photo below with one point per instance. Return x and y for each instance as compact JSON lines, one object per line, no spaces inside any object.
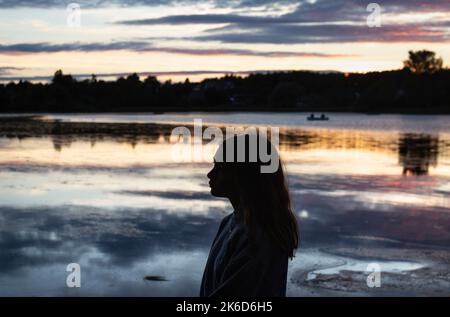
{"x":365,"y":189}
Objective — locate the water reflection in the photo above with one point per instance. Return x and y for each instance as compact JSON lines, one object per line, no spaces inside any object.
{"x":417,"y":153}
{"x":110,"y":197}
{"x":127,"y":242}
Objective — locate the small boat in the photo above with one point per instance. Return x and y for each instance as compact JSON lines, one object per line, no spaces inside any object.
{"x":322,"y":117}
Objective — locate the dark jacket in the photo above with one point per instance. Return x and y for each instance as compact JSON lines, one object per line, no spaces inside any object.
{"x":244,"y":263}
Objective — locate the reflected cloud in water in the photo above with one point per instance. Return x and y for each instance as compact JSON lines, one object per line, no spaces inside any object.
{"x":126,"y":245}
{"x":110,"y":197}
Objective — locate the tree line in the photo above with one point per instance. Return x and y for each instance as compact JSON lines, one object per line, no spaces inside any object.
{"x":422,"y":86}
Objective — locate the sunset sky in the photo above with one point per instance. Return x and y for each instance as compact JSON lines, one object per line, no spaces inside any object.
{"x":197,"y":39}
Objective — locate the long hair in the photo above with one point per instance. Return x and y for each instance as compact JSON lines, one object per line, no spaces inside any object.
{"x":264,"y":197}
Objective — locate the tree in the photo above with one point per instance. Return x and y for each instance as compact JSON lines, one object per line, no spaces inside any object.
{"x":60,"y":78}
{"x":286,"y":95}
{"x":152,"y":83}
{"x":133,"y":78}
{"x":424,"y":61}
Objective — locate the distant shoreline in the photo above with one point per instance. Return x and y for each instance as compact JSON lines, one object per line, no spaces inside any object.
{"x":148,"y":123}
{"x":227,"y":110}
{"x":391,"y":92}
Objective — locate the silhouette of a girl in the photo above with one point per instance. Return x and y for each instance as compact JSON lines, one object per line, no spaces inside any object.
{"x":249,"y":255}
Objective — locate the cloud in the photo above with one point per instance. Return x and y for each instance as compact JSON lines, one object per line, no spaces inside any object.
{"x":337,"y":33}
{"x":77,"y":46}
{"x":6,"y":70}
{"x":47,"y":3}
{"x":321,"y":21}
{"x":209,"y":19}
{"x":28,"y":48}
{"x":308,"y":21}
{"x":321,"y":11}
{"x":318,"y":10}
{"x":243,"y":30}
{"x":242,"y":52}
{"x":129,"y":3}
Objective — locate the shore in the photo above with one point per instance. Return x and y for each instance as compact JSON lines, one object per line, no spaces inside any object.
{"x":409,"y":270}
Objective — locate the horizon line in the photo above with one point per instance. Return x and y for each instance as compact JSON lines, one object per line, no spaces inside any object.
{"x":177,"y":73}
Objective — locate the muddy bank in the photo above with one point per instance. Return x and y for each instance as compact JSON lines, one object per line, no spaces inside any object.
{"x":405,"y":271}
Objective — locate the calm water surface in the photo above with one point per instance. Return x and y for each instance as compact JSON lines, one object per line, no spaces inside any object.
{"x":123,"y":209}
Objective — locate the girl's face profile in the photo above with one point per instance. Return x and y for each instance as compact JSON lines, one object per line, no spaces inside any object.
{"x":220,"y":180}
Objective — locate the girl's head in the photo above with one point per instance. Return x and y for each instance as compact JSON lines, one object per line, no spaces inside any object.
{"x":243,"y":172}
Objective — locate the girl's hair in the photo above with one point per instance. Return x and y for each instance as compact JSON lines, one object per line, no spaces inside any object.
{"x":264,"y":197}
